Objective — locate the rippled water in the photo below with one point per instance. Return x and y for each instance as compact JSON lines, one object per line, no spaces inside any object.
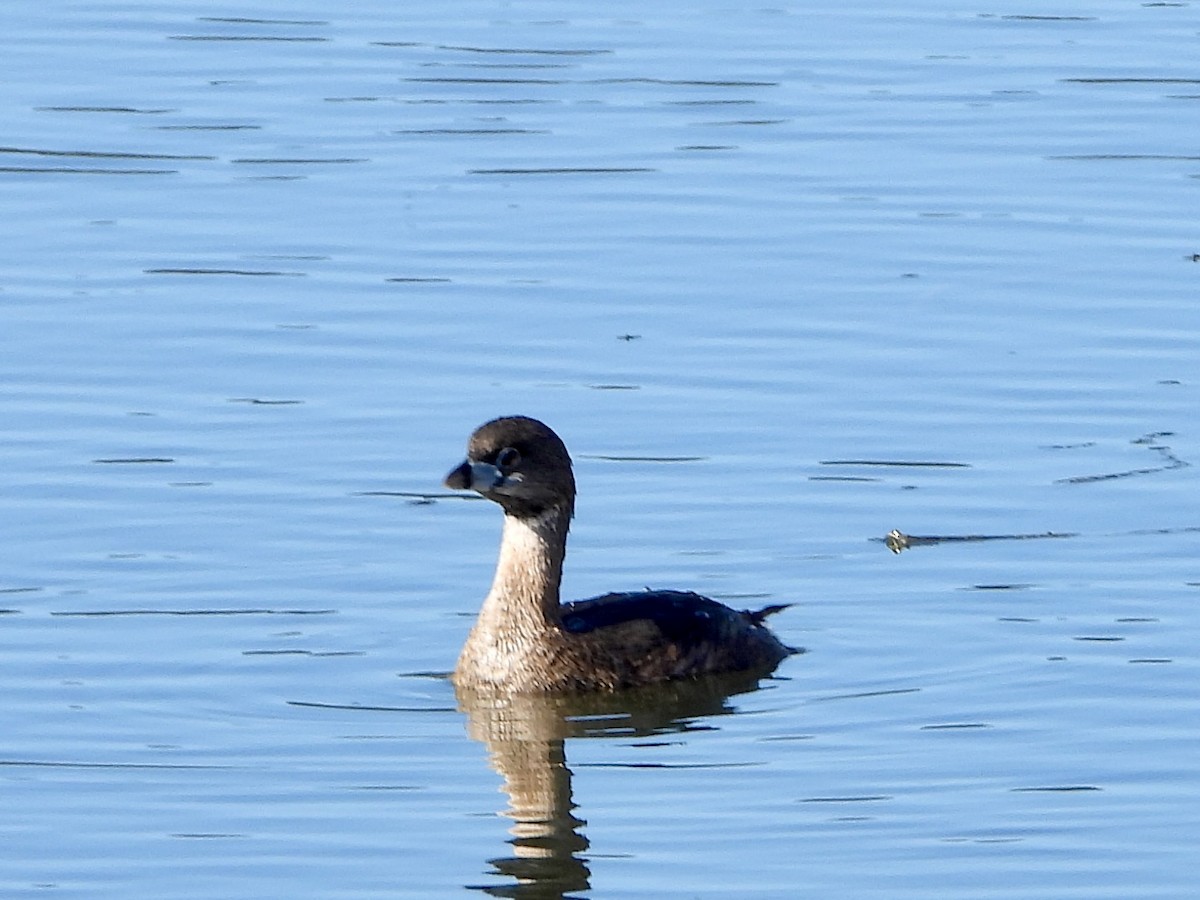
{"x":786,"y":279}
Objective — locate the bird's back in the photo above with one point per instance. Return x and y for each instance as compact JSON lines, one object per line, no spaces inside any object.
{"x":646,"y":636}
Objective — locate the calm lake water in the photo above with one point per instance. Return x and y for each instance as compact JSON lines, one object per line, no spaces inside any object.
{"x":785,"y":278}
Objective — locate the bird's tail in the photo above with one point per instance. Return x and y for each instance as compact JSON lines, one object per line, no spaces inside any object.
{"x":758,"y":616}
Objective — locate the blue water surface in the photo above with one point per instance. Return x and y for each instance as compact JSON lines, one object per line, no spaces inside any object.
{"x":784,"y":278}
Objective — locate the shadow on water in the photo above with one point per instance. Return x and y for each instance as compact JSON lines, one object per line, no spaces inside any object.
{"x":526,"y":736}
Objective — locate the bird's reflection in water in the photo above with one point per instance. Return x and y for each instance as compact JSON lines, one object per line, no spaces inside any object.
{"x":525,"y":735}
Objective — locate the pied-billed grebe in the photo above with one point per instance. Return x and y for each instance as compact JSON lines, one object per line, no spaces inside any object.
{"x":525,"y":640}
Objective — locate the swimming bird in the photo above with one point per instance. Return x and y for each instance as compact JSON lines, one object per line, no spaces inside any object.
{"x":526,"y":640}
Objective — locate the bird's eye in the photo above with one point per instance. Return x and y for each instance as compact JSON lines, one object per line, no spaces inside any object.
{"x":508,"y":458}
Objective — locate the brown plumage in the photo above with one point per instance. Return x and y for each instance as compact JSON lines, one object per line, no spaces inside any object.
{"x":526,"y":641}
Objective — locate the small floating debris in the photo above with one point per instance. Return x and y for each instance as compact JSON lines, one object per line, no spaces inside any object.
{"x":898,"y":541}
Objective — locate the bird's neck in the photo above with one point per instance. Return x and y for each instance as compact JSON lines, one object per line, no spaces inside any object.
{"x":525,"y":590}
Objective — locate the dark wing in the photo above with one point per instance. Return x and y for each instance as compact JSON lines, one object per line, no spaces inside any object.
{"x":651,"y":636}
{"x":681,"y":617}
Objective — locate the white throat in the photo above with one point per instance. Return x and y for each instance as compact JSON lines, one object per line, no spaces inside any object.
{"x":530,"y":565}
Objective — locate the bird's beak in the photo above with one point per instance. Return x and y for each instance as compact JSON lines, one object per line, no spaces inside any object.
{"x":459,"y":479}
{"x":474,"y":476}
